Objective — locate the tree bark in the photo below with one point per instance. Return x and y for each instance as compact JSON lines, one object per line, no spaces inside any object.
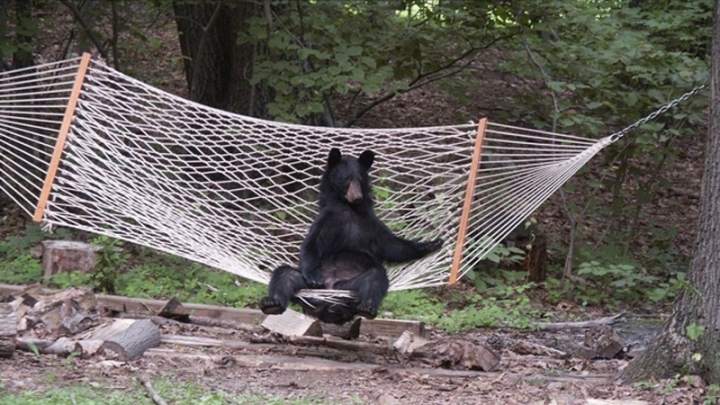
{"x":672,"y":350}
{"x":218,"y":71}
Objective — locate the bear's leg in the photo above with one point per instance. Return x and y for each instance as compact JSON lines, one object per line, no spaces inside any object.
{"x":371,"y":288}
{"x":284,"y":283}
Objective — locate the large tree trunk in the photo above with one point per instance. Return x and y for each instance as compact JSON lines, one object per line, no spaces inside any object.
{"x":218,"y":71}
{"x":672,"y":349}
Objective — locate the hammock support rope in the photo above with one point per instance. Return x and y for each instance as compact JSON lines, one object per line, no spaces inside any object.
{"x":238,"y":193}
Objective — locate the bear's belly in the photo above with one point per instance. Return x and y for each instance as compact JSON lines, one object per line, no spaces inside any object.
{"x":345,"y":266}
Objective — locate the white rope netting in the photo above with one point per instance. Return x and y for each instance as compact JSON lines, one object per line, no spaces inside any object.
{"x":238,"y":193}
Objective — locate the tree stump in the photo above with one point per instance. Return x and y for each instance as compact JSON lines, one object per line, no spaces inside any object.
{"x":535,"y":261}
{"x":64,"y":256}
{"x":8,"y":330}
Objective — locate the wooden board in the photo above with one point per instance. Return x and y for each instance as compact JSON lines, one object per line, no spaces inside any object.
{"x":377,"y":327}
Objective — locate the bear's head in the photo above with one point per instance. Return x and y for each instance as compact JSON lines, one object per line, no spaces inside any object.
{"x":347,"y":178}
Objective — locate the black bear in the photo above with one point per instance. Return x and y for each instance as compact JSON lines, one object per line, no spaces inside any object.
{"x":345,"y":249}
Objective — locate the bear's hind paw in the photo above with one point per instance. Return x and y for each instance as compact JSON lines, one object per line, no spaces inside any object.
{"x":271,"y":306}
{"x":366,"y":311}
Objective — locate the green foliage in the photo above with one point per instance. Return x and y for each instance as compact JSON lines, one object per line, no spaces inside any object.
{"x":646,"y":385}
{"x":23,"y":269}
{"x":670,"y":385}
{"x":609,"y":284}
{"x":413,"y":304}
{"x":694,"y":331}
{"x":509,"y":307}
{"x":316,"y":50}
{"x":109,"y":262}
{"x":17,"y":264}
{"x":711,"y":397}
{"x":607,"y":64}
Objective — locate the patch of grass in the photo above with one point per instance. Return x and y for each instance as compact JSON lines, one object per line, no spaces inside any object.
{"x":172,"y":390}
{"x":77,"y":395}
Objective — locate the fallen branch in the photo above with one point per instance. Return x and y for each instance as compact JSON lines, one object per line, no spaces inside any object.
{"x":145,"y":381}
{"x":62,"y":347}
{"x":525,"y":348}
{"x":555,"y":326}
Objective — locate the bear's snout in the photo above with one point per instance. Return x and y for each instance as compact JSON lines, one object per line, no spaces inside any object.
{"x":354,"y":192}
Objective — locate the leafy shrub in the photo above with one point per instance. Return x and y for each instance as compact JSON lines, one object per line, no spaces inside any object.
{"x":23,"y":269}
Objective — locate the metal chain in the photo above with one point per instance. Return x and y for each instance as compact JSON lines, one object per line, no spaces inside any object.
{"x":617,"y":135}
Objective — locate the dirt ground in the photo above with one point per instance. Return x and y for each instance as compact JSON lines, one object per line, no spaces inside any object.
{"x":332,"y":376}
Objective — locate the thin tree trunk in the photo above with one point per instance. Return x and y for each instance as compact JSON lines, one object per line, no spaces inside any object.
{"x":672,"y":350}
{"x":218,"y":70}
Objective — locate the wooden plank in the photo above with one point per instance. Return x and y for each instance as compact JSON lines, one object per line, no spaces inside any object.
{"x":62,"y":137}
{"x":377,"y":327}
{"x":469,"y":195}
{"x":293,"y":323}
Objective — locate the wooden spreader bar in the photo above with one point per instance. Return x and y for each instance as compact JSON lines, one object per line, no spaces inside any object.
{"x":469,"y":195}
{"x":62,"y":137}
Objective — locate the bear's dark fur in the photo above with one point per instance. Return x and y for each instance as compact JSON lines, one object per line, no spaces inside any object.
{"x":345,"y":248}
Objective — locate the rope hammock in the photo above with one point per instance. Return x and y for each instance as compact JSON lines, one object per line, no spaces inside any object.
{"x":87,"y":147}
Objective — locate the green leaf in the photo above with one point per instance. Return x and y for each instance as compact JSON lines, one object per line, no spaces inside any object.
{"x":694,"y":331}
{"x":631,"y":99}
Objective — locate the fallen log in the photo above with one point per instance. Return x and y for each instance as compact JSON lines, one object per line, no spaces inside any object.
{"x":555,"y":326}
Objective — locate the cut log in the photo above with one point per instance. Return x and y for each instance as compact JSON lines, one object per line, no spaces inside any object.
{"x":293,"y":323}
{"x":129,"y":338}
{"x":8,"y":330}
{"x":64,"y":256}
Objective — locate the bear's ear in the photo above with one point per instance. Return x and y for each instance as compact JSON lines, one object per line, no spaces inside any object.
{"x":334,"y":157}
{"x":366,"y":159}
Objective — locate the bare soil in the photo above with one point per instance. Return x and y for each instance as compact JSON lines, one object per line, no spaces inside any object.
{"x":343,"y":377}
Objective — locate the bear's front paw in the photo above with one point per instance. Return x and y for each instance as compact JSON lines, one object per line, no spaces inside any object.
{"x":271,"y":306}
{"x":314,"y":280}
{"x":429,"y":247}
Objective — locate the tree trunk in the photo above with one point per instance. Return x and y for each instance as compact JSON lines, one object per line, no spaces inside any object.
{"x":673,"y":350}
{"x":218,"y":71}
